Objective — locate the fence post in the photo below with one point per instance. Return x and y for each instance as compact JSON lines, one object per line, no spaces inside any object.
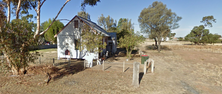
{"x":144,"y":70}
{"x":103,"y":65}
{"x":135,"y":81}
{"x":84,"y":64}
{"x":40,"y":60}
{"x":123,"y":66}
{"x":69,"y":62}
{"x":53,"y":61}
{"x":3,"y":59}
{"x":152,"y":66}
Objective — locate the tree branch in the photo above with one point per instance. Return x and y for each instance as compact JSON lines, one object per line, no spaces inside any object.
{"x":42,"y":3}
{"x":54,"y":18}
{"x":18,"y":9}
{"x":34,"y":8}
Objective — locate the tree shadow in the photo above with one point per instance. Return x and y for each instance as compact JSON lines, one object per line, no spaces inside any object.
{"x":67,"y":68}
{"x":152,"y":47}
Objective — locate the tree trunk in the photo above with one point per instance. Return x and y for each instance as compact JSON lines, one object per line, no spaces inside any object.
{"x":159,"y":47}
{"x":155,"y":42}
{"x":9,"y":11}
{"x":127,"y":54}
{"x":38,"y":18}
{"x":37,"y":31}
{"x":18,"y":9}
{"x":130,"y":51}
{"x":15,"y":71}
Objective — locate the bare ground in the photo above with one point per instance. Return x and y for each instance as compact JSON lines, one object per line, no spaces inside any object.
{"x":179,"y":69}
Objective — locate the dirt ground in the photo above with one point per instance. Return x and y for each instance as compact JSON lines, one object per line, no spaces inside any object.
{"x":179,"y":69}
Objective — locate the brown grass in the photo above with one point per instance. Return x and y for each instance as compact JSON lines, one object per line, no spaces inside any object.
{"x":206,"y":48}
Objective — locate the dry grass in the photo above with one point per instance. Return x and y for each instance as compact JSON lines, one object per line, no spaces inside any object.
{"x":206,"y":48}
{"x":179,"y":69}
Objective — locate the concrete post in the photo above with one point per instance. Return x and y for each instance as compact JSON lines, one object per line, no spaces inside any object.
{"x":135,"y":81}
{"x":123,"y":66}
{"x":103,"y":65}
{"x":144,"y":70}
{"x":152,"y":66}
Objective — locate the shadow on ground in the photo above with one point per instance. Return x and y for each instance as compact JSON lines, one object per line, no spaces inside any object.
{"x":67,"y":68}
{"x":140,"y":76}
{"x":152,"y":47}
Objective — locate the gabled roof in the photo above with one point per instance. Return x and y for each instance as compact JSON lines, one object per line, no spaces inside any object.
{"x":88,"y":22}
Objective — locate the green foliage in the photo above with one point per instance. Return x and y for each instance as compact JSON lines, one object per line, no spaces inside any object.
{"x":158,"y":21}
{"x":91,"y":40}
{"x":16,"y":40}
{"x":213,"y":38}
{"x":172,"y":35}
{"x":54,"y":29}
{"x":180,"y":39}
{"x":126,"y":24}
{"x":124,"y":27}
{"x":129,"y":41}
{"x":2,"y":14}
{"x":30,"y":23}
{"x":107,"y":23}
{"x":84,"y":15}
{"x":121,"y":34}
{"x":89,"y":2}
{"x":198,"y":35}
{"x":207,"y":20}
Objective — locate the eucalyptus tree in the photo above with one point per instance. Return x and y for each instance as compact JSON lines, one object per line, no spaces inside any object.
{"x":207,"y":20}
{"x":129,"y":41}
{"x":53,"y":30}
{"x":84,"y":15}
{"x":125,"y":23}
{"x":213,"y":38}
{"x":17,"y":36}
{"x":198,"y":34}
{"x":157,"y":19}
{"x":106,"y":22}
{"x":124,"y":27}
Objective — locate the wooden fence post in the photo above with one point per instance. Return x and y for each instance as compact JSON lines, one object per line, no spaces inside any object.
{"x":69,"y":62}
{"x":53,"y":61}
{"x":40,"y":60}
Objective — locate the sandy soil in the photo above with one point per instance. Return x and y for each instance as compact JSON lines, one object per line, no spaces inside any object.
{"x":178,"y":70}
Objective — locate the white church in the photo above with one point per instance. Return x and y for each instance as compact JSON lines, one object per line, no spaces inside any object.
{"x":68,"y":37}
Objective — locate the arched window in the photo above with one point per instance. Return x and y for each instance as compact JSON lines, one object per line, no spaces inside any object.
{"x":67,"y":52}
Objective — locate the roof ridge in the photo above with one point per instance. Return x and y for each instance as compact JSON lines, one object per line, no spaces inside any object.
{"x":88,"y":22}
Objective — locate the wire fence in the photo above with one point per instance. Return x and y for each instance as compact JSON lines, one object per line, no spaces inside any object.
{"x":4,"y":65}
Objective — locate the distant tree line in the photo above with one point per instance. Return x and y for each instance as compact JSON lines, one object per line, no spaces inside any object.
{"x":200,"y":35}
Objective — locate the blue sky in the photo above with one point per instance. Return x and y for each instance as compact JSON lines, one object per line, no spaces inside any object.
{"x":191,"y":11}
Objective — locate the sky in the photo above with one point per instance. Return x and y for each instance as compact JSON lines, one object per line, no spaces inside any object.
{"x":191,"y":11}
